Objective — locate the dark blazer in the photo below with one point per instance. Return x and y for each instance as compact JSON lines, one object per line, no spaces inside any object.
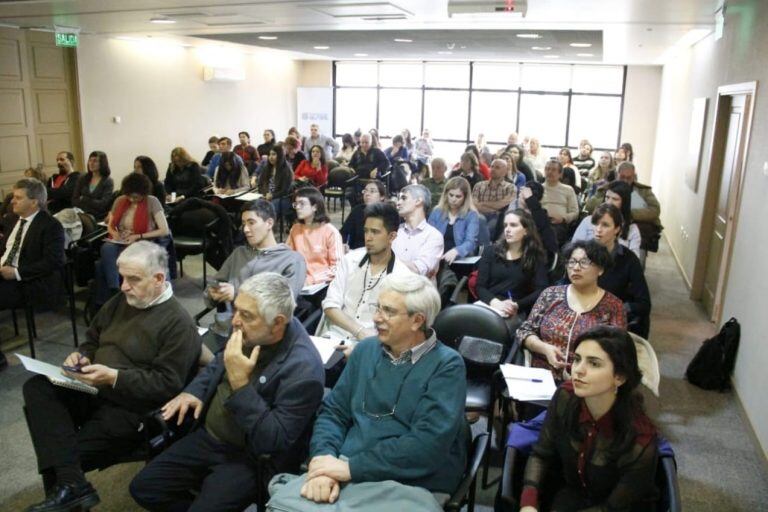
{"x":61,"y":198}
{"x":41,"y":257}
{"x":275,"y":410}
{"x":96,"y":202}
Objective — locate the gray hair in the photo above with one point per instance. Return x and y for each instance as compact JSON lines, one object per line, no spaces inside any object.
{"x":366,"y":135}
{"x":152,"y":257}
{"x":440,"y":163}
{"x":35,"y":189}
{"x":419,"y":293}
{"x":626,"y":165}
{"x":273,"y":293}
{"x":420,"y":192}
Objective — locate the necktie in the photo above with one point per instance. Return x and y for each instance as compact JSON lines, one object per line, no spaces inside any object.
{"x":16,"y":243}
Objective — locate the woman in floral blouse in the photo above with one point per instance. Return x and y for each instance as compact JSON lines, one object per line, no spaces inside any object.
{"x":562,"y":313}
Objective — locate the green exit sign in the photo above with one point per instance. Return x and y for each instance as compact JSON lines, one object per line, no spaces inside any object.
{"x":68,"y":40}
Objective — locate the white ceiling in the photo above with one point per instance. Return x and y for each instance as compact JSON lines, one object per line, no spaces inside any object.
{"x":633,"y":31}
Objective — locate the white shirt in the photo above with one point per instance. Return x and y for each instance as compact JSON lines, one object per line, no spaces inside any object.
{"x":352,"y":291}
{"x":12,"y":238}
{"x":421,"y":246}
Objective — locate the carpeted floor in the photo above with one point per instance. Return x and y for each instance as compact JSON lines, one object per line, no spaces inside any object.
{"x":720,"y":469}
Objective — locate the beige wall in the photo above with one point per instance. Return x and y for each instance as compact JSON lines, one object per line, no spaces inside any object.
{"x":315,"y":73}
{"x":738,"y":57}
{"x":641,"y":106}
{"x":163,"y":101}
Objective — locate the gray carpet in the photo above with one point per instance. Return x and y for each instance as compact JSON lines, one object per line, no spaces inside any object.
{"x":720,"y":468}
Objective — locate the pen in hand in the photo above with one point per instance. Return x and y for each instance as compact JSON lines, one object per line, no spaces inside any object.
{"x":525,"y":379}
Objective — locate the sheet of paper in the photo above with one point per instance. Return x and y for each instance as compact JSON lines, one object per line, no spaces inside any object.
{"x":249,"y":196}
{"x":469,"y":260}
{"x":325,"y":346}
{"x":202,"y":330}
{"x":528,"y":384}
{"x":483,"y":304}
{"x":313,"y":288}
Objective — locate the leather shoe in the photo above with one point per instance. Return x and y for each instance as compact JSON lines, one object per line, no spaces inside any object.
{"x":63,"y":498}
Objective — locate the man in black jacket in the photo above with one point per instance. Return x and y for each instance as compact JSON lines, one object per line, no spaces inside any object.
{"x":369,"y":163}
{"x":61,"y":186}
{"x":33,"y":252}
{"x":141,"y":350}
{"x":258,"y":396}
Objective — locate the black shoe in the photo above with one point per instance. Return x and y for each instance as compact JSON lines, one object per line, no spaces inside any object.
{"x":64,"y":498}
{"x":3,"y":362}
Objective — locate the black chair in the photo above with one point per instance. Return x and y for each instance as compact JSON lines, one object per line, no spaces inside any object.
{"x":189,"y":241}
{"x":465,"y":492}
{"x":513,"y":469}
{"x":339,"y":179}
{"x":452,"y":326}
{"x":67,"y":280}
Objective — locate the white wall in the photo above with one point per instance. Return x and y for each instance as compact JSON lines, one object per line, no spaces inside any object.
{"x":738,"y":57}
{"x":641,"y":106}
{"x":159,"y":93}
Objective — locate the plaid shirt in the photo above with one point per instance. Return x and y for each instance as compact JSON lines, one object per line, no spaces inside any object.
{"x":486,"y":191}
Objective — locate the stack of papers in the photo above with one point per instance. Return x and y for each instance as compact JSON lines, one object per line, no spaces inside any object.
{"x":312,"y":289}
{"x":528,"y":384}
{"x":326,"y":347}
{"x":469,"y":260}
{"x":249,"y":196}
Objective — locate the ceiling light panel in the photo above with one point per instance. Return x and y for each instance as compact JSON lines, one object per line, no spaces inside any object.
{"x":363,"y":10}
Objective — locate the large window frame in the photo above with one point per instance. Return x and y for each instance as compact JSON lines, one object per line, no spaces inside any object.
{"x":519,"y":91}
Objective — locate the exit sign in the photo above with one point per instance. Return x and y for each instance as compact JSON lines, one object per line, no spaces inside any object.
{"x":68,"y":40}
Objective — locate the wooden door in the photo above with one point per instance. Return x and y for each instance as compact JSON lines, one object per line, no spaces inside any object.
{"x":724,"y":210}
{"x":39,"y":113}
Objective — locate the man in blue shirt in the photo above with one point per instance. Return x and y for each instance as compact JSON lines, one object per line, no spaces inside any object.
{"x":225,"y":146}
{"x":397,"y":412}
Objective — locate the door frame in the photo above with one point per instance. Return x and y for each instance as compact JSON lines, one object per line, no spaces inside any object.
{"x":716,"y":158}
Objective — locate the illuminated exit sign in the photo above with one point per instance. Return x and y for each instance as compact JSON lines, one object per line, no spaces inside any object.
{"x":65,"y":39}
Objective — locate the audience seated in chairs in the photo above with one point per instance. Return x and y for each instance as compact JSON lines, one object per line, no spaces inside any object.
{"x":618,"y":194}
{"x":313,"y":172}
{"x":597,"y":449}
{"x":359,"y":276}
{"x":559,"y":200}
{"x":184,"y":177}
{"x":436,"y":181}
{"x":624,"y":278}
{"x":141,"y":350}
{"x":315,"y":237}
{"x":418,"y":245}
{"x":257,"y":397}
{"x":261,"y":253}
{"x":293,"y":153}
{"x":369,"y":163}
{"x":93,"y":191}
{"x":61,"y":186}
{"x":231,"y":175}
{"x":225,"y":146}
{"x":529,"y":199}
{"x":469,"y":169}
{"x":571,"y":175}
{"x":513,"y":176}
{"x":518,"y":155}
{"x":146,"y":166}
{"x":136,"y":215}
{"x":458,"y":221}
{"x":275,"y":181}
{"x":269,"y":143}
{"x":32,"y":252}
{"x":493,"y":196}
{"x":352,"y":231}
{"x":513,"y":273}
{"x":396,"y":416}
{"x":563,"y":312}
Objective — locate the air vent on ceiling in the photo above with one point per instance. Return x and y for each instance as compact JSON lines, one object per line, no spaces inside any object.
{"x":385,"y":18}
{"x":474,"y":8}
{"x":373,"y":10}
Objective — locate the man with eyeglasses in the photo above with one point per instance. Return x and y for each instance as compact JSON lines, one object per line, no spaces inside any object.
{"x":418,"y":244}
{"x":396,"y":413}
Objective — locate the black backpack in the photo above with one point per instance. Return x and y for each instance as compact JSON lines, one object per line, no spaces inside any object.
{"x":712,"y":365}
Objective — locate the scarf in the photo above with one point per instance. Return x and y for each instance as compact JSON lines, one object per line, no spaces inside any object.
{"x":140,"y":217}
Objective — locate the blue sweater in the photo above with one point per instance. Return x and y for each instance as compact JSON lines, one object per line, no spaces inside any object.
{"x":423,"y":444}
{"x":465,"y":230}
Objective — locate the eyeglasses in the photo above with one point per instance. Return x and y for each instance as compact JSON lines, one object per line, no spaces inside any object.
{"x":385,"y":311}
{"x":387,"y":414}
{"x":582,"y":263}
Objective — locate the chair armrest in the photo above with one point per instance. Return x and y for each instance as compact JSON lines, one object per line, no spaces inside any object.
{"x":507,"y":477}
{"x":352,"y":179}
{"x":96,"y":235}
{"x":463,"y":282}
{"x":479,"y":447}
{"x":201,"y":314}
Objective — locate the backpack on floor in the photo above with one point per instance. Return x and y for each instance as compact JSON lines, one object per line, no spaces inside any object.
{"x":712,"y":365}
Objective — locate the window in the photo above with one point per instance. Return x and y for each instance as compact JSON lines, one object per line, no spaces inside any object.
{"x":558,"y":103}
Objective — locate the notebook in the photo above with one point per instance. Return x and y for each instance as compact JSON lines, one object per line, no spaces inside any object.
{"x":528,"y":384}
{"x":54,"y":375}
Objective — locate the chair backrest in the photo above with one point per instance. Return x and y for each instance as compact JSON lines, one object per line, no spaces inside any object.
{"x":339,"y":175}
{"x":461,"y":320}
{"x":648,"y":363}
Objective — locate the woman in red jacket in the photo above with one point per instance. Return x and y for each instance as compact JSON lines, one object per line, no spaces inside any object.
{"x":313,"y":171}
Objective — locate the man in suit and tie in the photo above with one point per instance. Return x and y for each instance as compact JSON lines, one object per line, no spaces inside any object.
{"x":32,"y":253}
{"x":258,"y":396}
